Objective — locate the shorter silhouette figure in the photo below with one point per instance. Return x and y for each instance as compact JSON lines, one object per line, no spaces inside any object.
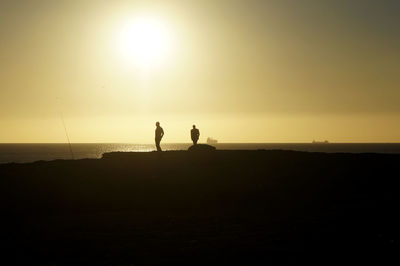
{"x":159,"y":136}
{"x":195,"y":134}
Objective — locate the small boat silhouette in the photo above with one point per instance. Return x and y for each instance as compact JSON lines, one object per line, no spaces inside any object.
{"x":320,"y":142}
{"x":211,"y":141}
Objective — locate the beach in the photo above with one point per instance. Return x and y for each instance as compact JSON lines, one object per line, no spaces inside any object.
{"x":200,"y":208}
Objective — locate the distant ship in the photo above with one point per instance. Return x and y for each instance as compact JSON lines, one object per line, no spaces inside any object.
{"x":211,"y":141}
{"x":320,"y":142}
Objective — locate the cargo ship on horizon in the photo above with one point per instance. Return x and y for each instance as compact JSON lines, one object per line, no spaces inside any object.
{"x":211,"y":141}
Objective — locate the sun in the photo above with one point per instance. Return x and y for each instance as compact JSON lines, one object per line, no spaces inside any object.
{"x":145,"y":42}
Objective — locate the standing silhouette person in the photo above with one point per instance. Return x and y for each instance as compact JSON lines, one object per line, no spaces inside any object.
{"x":159,"y":135}
{"x":195,"y":134}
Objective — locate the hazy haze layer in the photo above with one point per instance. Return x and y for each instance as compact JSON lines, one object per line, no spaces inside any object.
{"x":242,"y":71}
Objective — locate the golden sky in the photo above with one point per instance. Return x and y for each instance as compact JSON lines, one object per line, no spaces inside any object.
{"x":242,"y":71}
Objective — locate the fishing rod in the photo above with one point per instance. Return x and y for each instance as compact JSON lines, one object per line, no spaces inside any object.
{"x":66,"y":134}
{"x":65,"y":128}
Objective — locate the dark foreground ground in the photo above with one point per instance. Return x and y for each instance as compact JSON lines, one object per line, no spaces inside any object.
{"x":223,"y":207}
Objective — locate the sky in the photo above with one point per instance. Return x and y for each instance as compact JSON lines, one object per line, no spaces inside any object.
{"x":242,"y":71}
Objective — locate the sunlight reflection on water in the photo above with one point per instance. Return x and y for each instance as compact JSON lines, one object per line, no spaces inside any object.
{"x":36,"y":152}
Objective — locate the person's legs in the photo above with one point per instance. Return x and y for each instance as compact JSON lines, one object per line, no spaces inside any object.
{"x":195,"y":141}
{"x":158,"y":144}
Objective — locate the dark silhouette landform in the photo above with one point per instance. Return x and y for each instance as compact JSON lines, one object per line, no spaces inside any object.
{"x":205,"y":208}
{"x":201,"y":148}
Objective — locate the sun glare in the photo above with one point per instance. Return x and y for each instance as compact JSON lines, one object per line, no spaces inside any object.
{"x":144,"y":42}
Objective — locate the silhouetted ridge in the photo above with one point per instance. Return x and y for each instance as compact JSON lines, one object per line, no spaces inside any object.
{"x":225,"y":207}
{"x":201,"y":148}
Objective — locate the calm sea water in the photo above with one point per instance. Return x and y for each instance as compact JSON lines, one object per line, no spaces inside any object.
{"x":36,"y":152}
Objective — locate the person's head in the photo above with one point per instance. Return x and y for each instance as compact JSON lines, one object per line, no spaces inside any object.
{"x":194,"y":126}
{"x":157,"y":124}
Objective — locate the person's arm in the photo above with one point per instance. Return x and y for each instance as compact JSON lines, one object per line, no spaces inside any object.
{"x":162,"y":132}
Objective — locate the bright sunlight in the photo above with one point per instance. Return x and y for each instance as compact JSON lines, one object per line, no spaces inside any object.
{"x":144,"y":42}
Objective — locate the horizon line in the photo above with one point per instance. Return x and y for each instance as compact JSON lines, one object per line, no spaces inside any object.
{"x":132,"y":143}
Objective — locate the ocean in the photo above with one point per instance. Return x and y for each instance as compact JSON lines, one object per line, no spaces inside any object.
{"x":20,"y":153}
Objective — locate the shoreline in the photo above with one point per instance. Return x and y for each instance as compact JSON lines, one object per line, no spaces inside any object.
{"x":129,"y":153}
